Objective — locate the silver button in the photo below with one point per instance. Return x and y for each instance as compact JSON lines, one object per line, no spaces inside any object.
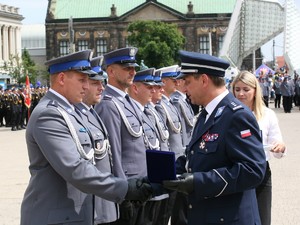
{"x":190,"y":206}
{"x":190,"y":169}
{"x":221,"y":219}
{"x":206,"y":150}
{"x":192,"y":152}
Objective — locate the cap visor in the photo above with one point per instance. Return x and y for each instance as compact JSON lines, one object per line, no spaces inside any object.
{"x":181,"y":76}
{"x":130,"y":65}
{"x":87,"y":71}
{"x":97,"y":77}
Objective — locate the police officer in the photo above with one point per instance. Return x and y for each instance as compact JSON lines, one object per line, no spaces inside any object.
{"x":141,"y":91}
{"x":225,"y":157}
{"x":1,"y":106}
{"x":124,"y":125}
{"x":156,"y":117}
{"x":16,"y":109}
{"x":169,"y":112}
{"x":62,"y":154}
{"x":105,"y":211}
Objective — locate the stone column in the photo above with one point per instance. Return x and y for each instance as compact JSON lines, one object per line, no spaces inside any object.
{"x":1,"y":44}
{"x":18,"y":47}
{"x":5,"y":43}
{"x":13,"y":41}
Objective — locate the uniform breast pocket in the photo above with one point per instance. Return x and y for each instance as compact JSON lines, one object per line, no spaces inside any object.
{"x":133,"y":122}
{"x":207,"y":147}
{"x":84,"y":139}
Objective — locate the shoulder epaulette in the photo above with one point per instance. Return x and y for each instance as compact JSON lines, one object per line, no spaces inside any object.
{"x":53,"y":103}
{"x":175,"y":99}
{"x":107,"y":97}
{"x":235,"y":106}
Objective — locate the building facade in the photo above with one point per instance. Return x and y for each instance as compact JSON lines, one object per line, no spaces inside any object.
{"x":10,"y":37}
{"x":103,"y":27}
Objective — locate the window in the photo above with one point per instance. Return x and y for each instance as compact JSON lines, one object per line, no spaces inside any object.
{"x":101,"y":47}
{"x":220,"y":42}
{"x":63,"y":48}
{"x":204,"y":44}
{"x":83,"y":45}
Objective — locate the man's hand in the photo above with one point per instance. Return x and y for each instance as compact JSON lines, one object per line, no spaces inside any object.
{"x":184,"y":183}
{"x":139,"y":189}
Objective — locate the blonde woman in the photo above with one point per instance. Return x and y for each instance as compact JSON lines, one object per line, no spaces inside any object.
{"x":246,"y":88}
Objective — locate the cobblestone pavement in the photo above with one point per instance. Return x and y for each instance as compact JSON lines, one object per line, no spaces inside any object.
{"x":286,"y":173}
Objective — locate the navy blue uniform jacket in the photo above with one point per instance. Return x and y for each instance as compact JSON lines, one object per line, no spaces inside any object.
{"x":227,"y":159}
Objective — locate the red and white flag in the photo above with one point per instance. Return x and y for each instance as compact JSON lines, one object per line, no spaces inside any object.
{"x":27,"y":93}
{"x":245,"y":133}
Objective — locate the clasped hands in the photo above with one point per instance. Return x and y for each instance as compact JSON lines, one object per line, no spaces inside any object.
{"x":184,"y":183}
{"x":139,"y":189}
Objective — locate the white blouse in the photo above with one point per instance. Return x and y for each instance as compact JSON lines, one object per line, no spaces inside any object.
{"x":270,"y":131}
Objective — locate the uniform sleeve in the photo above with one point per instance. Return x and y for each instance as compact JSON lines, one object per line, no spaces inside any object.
{"x":53,"y":138}
{"x":244,"y":159}
{"x":112,"y":120}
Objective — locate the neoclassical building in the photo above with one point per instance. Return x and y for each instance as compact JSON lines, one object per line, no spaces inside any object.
{"x":10,"y":36}
{"x":10,"y":32}
{"x":102,"y":25}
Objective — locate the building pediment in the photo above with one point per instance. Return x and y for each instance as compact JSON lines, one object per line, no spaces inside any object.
{"x":152,"y":11}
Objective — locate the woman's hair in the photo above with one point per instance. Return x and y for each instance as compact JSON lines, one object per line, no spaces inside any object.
{"x":249,"y":79}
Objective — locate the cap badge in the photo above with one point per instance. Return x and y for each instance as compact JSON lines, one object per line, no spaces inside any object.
{"x":132,"y":52}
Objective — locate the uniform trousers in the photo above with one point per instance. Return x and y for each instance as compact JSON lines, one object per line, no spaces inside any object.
{"x":264,"y":197}
{"x":131,"y":214}
{"x":277,"y":100}
{"x":179,"y":213}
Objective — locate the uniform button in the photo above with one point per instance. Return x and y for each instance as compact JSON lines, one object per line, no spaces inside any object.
{"x":206,"y":150}
{"x":190,"y":169}
{"x":190,"y":206}
{"x":221,"y":219}
{"x":192,"y":152}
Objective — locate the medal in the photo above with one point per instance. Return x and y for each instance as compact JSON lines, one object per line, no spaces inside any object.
{"x":202,"y":144}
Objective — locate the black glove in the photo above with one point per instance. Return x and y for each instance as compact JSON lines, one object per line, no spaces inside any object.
{"x":126,"y":210}
{"x":184,"y":183}
{"x":139,"y":189}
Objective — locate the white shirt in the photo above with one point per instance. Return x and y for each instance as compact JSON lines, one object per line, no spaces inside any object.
{"x":270,"y":131}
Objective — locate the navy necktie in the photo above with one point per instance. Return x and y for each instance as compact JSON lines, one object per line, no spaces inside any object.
{"x":201,"y":120}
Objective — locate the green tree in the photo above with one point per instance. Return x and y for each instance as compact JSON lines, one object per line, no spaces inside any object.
{"x":14,"y":68}
{"x":18,"y":67}
{"x":158,"y":42}
{"x":29,"y":66}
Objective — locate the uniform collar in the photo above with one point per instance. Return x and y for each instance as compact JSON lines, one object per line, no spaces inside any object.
{"x":210,"y":107}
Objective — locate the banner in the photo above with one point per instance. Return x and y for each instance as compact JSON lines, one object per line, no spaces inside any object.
{"x":27,"y":92}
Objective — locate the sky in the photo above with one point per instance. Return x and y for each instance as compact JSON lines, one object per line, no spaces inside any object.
{"x":34,"y":12}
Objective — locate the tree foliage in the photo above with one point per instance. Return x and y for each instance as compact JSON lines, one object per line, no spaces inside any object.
{"x":18,"y":67}
{"x":158,"y":42}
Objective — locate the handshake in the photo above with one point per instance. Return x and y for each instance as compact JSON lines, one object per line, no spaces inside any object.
{"x":139,"y":189}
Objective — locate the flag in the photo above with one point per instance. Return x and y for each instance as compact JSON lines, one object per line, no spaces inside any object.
{"x":245,"y":133}
{"x":27,"y":93}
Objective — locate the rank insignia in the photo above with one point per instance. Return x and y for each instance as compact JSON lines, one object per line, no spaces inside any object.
{"x":202,"y":144}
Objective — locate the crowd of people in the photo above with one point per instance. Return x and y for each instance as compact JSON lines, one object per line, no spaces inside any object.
{"x":88,"y":135}
{"x":14,"y":112}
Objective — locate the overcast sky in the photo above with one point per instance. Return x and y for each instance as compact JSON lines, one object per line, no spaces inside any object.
{"x":34,"y":12}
